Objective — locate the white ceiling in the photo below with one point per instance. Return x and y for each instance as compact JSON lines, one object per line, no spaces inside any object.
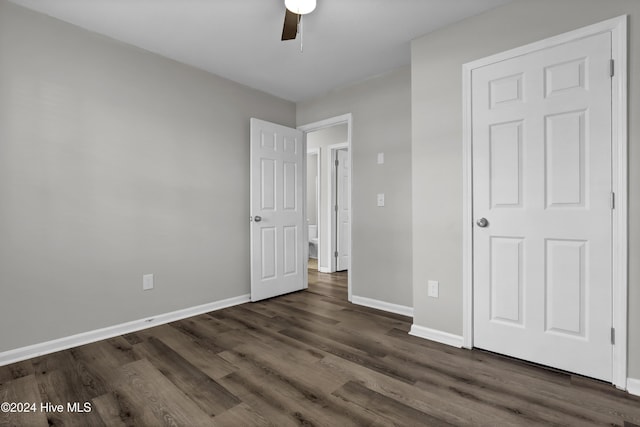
{"x":345,"y":41}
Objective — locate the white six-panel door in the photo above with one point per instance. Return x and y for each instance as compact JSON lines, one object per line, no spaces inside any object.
{"x":541,"y":135}
{"x":344,"y":210}
{"x":277,"y":216}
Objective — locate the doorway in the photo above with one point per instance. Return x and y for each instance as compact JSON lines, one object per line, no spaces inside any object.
{"x":331,"y":138}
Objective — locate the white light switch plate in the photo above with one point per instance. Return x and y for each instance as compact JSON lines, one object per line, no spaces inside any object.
{"x":147,"y":282}
{"x":381,"y":199}
{"x":380,"y":158}
{"x":432,"y":288}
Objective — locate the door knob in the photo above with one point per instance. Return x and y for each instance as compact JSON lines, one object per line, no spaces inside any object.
{"x":257,"y":218}
{"x":482,"y":222}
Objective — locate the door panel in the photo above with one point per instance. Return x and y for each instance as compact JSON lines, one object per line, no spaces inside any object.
{"x":565,"y":286}
{"x":542,"y":179}
{"x":290,"y":250}
{"x":565,"y":159}
{"x":506,"y":173}
{"x":277,"y":250}
{"x":506,"y":279}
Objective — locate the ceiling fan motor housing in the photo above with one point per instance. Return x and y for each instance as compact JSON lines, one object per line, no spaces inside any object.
{"x":300,"y":7}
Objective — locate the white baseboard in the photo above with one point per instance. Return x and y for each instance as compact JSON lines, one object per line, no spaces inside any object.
{"x":437,"y":336}
{"x":325,"y":270}
{"x":83,"y":338}
{"x":633,"y":386}
{"x":382,"y":305}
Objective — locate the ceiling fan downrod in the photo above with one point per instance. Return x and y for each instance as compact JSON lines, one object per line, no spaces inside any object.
{"x":301,"y":36}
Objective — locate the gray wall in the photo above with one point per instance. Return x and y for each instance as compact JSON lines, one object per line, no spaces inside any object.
{"x":115,"y":162}
{"x":437,"y":61}
{"x":322,"y":139}
{"x":381,"y":237}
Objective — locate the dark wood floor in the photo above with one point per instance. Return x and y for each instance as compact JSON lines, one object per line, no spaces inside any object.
{"x":308,"y":358}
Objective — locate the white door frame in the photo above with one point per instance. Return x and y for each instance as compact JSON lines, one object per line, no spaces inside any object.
{"x":317,"y":151}
{"x":310,"y":127}
{"x":618,"y":28}
{"x":333,"y":196}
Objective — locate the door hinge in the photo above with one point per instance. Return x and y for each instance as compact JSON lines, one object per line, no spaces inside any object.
{"x":336,"y":208}
{"x":613,"y":336}
{"x":612,"y":68}
{"x":337,"y":162}
{"x":613,"y":200}
{"x":335,"y":254}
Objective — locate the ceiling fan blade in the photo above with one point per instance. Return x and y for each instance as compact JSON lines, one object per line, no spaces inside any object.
{"x":290,"y":28}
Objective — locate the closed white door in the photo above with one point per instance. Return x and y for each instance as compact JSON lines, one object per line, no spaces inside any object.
{"x":542,"y":205}
{"x":277,"y":216}
{"x":343,"y":209}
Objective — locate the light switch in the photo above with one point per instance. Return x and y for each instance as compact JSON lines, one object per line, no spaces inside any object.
{"x":380,"y":158}
{"x":432,"y":288}
{"x":147,"y":282}
{"x":381,"y":199}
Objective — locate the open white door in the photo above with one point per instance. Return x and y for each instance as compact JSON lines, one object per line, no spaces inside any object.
{"x":278,"y":247}
{"x":343,"y":210}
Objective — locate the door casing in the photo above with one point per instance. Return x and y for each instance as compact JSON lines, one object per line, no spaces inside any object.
{"x":618,"y":28}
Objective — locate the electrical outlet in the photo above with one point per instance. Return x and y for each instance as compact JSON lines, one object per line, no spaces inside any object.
{"x":432,"y":288}
{"x":147,"y":282}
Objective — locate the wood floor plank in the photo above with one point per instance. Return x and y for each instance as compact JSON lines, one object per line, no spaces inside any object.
{"x":348,"y":353}
{"x":61,"y":388}
{"x":15,"y":371}
{"x":347,"y":336}
{"x":154,"y":399}
{"x":297,"y":367}
{"x":241,"y":415}
{"x":115,"y":410}
{"x":195,"y":351}
{"x":293,"y":354}
{"x":253,"y":320}
{"x":96,"y":362}
{"x":23,"y":389}
{"x":264,"y":399}
{"x":369,"y":321}
{"x":269,"y":335}
{"x":436,"y":402}
{"x":62,"y":380}
{"x":210,"y":396}
{"x":277,"y":392}
{"x":255,"y":328}
{"x":391,"y":409}
{"x":194,"y":329}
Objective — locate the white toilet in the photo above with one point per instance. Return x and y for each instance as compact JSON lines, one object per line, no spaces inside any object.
{"x":313,"y":241}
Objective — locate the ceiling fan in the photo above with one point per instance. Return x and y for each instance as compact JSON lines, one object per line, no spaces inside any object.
{"x":293,"y":16}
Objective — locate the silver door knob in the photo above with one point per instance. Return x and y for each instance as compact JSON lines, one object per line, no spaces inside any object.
{"x":257,"y":218}
{"x":482,"y":222}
